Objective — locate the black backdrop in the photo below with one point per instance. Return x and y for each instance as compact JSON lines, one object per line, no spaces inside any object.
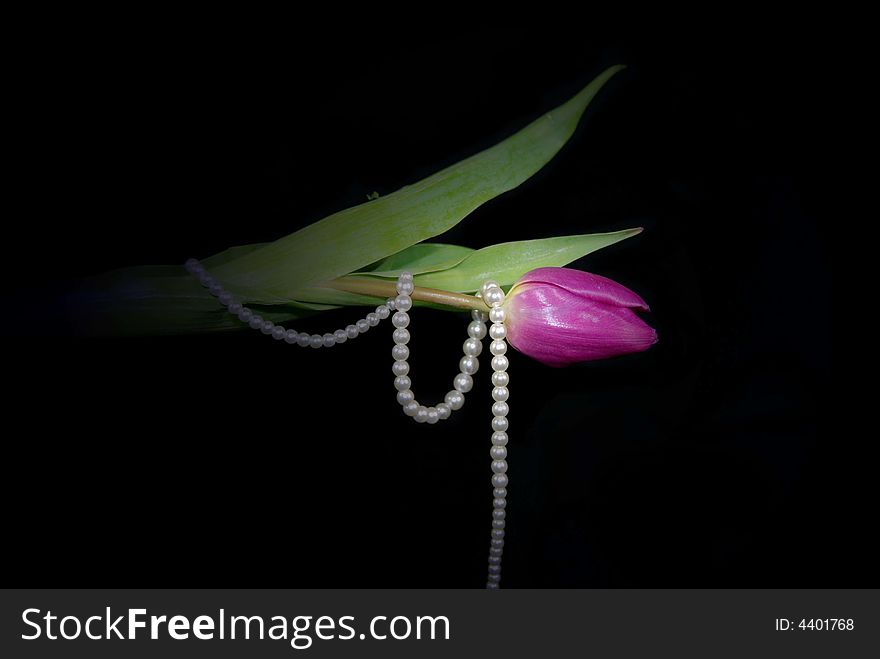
{"x":232,"y":460}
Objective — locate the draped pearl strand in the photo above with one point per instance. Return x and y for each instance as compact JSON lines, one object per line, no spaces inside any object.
{"x":493,"y":296}
{"x":278,"y":332}
{"x":468,"y":365}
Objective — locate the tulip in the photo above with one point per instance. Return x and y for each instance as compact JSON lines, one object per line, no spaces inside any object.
{"x":560,"y":316}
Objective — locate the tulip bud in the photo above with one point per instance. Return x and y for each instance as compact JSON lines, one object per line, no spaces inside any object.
{"x":560,"y":316}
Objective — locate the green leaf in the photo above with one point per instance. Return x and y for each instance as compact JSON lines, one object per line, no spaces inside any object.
{"x":352,"y":238}
{"x":419,"y":259}
{"x":507,"y":262}
{"x":231,"y":254}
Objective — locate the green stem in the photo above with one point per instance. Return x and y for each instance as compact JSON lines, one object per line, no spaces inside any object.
{"x":386,"y":289}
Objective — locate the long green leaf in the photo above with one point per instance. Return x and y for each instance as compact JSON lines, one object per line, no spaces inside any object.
{"x":507,"y":262}
{"x":419,"y":259}
{"x":352,"y":238}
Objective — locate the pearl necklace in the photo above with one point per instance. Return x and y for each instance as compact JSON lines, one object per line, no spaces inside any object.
{"x":493,"y":295}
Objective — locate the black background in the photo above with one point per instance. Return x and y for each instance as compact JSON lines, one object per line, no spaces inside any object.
{"x":232,"y":460}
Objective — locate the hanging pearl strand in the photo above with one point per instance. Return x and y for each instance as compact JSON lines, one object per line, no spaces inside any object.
{"x":277,"y":332}
{"x":468,"y":365}
{"x":494,"y":297}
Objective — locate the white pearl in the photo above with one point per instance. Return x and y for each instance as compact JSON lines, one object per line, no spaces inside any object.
{"x":494,"y":297}
{"x":469,"y":365}
{"x":329,"y":340}
{"x":267,"y":327}
{"x":224,"y":298}
{"x":383,"y":311}
{"x":492,"y":586}
{"x":499,"y":466}
{"x":422,"y":414}
{"x":400,"y":368}
{"x":498,"y":347}
{"x":235,"y":308}
{"x":499,"y":514}
{"x":411,"y":408}
{"x":478,"y":315}
{"x":499,"y":503}
{"x":316,"y":340}
{"x":498,"y":523}
{"x":400,"y":352}
{"x":390,"y":303}
{"x":402,"y":383}
{"x":341,"y":336}
{"x":496,"y":452}
{"x":405,"y":287}
{"x":400,"y":319}
{"x":405,"y":396}
{"x":303,"y":340}
{"x":444,"y":411}
{"x":494,"y":569}
{"x":494,"y":560}
{"x":463,"y":383}
{"x":500,"y":379}
{"x":256,"y":322}
{"x":362,"y":325}
{"x":500,"y":363}
{"x":433,"y":415}
{"x":290,"y":336}
{"x":500,"y":393}
{"x":205,"y":279}
{"x":245,"y":315}
{"x":278,"y":332}
{"x":476,"y":329}
{"x":500,"y":423}
{"x":403,"y":303}
{"x":352,"y":331}
{"x":191,"y":264}
{"x":487,"y":286}
{"x":455,"y":399}
{"x":497,"y":543}
{"x":405,"y":276}
{"x":401,"y":336}
{"x":472,"y":347}
{"x":499,"y":438}
{"x":215,"y":289}
{"x":500,"y":408}
{"x":498,"y":331}
{"x":373,"y":319}
{"x":497,"y":315}
{"x":497,"y":534}
{"x":496,"y":551}
{"x":499,"y":480}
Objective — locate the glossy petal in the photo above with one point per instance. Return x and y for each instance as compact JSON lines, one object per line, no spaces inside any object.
{"x":561,"y":316}
{"x":586,"y":284}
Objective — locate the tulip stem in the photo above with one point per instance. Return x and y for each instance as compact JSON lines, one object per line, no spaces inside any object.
{"x":385,"y":289}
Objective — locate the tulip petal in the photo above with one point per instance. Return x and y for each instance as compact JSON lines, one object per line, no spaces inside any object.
{"x":586,"y":284}
{"x":560,"y":327}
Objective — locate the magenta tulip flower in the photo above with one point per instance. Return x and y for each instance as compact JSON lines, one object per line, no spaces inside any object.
{"x":561,"y":316}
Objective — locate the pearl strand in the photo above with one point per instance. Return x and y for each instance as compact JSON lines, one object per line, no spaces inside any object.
{"x":278,"y":332}
{"x":494,"y":297}
{"x":468,"y":365}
